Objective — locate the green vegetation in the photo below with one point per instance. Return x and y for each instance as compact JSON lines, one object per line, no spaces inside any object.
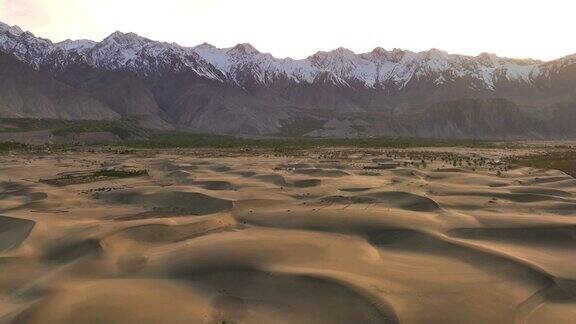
{"x":29,"y":124}
{"x":564,"y":161}
{"x":299,"y":127}
{"x":187,"y":140}
{"x":12,"y":146}
{"x":124,"y":128}
{"x":290,"y":137}
{"x":123,"y":173}
{"x":93,"y":176}
{"x":190,"y":140}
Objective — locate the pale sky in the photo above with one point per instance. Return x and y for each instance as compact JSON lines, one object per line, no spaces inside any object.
{"x":298,"y":28}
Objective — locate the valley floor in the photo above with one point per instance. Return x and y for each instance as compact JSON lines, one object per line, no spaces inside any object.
{"x":325,"y":236}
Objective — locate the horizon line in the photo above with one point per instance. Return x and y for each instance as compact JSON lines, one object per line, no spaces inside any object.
{"x":286,"y":57}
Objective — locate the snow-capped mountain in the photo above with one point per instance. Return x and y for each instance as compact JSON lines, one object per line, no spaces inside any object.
{"x":24,"y":45}
{"x":186,"y":85}
{"x":377,"y":69}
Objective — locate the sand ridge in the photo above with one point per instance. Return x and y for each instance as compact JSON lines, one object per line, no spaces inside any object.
{"x":284,"y":239}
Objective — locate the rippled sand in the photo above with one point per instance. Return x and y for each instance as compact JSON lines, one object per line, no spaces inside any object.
{"x":258,"y":239}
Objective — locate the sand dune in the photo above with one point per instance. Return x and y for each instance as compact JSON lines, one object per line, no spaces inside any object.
{"x":13,"y":231}
{"x":209,"y":237}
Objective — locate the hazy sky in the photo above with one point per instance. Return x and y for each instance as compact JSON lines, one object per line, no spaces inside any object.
{"x":298,"y":28}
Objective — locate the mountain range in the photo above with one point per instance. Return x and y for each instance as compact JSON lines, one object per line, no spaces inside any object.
{"x":242,"y":91}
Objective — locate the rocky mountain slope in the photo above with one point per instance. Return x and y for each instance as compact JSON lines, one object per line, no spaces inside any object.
{"x":240,"y":90}
{"x":25,"y":92}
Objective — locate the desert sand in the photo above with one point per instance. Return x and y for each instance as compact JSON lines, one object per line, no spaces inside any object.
{"x":258,"y":238}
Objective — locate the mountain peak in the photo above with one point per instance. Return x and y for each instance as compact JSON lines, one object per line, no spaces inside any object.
{"x":489,"y":59}
{"x":116,"y":34}
{"x":342,"y":51}
{"x":205,"y":46}
{"x":395,"y":67}
{"x":245,"y":48}
{"x":15,"y":30}
{"x":379,"y":51}
{"x":339,"y":53}
{"x":120,"y":37}
{"x":70,"y":45}
{"x":437,"y":54}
